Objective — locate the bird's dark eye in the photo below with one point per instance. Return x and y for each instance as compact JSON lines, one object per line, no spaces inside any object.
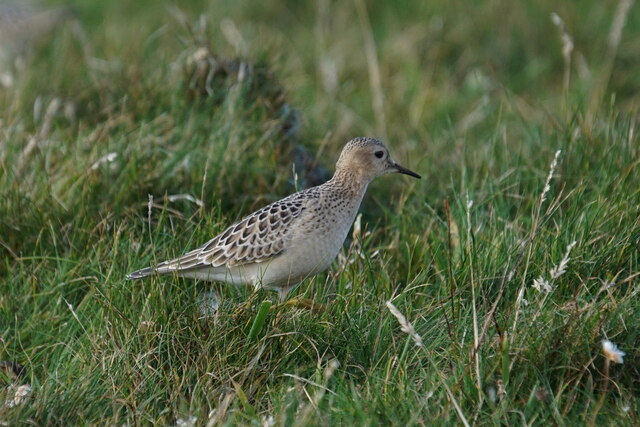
{"x":379,"y":154}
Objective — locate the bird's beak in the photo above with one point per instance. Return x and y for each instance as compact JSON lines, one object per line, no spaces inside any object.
{"x":401,"y":169}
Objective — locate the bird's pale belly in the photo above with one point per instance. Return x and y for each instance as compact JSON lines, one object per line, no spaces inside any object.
{"x":311,"y":252}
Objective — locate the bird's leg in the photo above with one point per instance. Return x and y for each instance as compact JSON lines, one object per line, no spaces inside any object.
{"x":282,"y":294}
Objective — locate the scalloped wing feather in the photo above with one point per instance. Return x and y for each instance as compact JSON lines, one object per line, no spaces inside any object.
{"x":257,"y":238}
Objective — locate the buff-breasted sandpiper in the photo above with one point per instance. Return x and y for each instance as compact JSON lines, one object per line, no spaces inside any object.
{"x":294,"y":238}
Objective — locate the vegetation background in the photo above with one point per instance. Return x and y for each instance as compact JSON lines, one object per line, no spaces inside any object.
{"x":509,"y":266}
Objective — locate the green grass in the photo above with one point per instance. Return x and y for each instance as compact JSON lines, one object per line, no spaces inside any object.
{"x":472,"y":95}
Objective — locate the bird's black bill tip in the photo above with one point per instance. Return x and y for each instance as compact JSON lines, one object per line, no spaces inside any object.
{"x":403,"y":170}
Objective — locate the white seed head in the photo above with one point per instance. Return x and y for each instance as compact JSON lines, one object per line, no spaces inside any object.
{"x":541,"y":285}
{"x":561,"y":268}
{"x":405,"y":325}
{"x":612,"y":352}
{"x":552,"y":169}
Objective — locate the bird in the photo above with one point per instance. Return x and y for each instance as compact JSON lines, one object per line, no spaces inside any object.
{"x":285,"y":242}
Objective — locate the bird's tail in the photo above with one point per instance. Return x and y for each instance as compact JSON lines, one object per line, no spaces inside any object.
{"x":140,"y":274}
{"x":165,"y":267}
{"x":186,"y":262}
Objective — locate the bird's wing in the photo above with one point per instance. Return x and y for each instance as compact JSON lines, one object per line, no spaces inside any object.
{"x":257,"y":238}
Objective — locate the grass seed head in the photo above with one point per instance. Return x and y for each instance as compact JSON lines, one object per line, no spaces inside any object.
{"x":541,"y":285}
{"x":612,"y":352}
{"x":405,"y":325}
{"x":552,"y":169}
{"x":561,"y":268}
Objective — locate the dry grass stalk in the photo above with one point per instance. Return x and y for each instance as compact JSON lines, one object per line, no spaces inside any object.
{"x":532,"y":235}
{"x":405,"y":325}
{"x":476,"y":337}
{"x":552,"y":170}
{"x":613,"y":42}
{"x":613,"y":354}
{"x":567,"y":50}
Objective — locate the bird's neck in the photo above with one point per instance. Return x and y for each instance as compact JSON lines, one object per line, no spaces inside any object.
{"x":350,"y":182}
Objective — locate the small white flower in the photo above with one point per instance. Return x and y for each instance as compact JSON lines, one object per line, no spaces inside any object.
{"x":268,"y":421}
{"x":612,"y":352}
{"x":541,"y":285}
{"x":107,"y":158}
{"x":20,"y":394}
{"x":189,"y":422}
